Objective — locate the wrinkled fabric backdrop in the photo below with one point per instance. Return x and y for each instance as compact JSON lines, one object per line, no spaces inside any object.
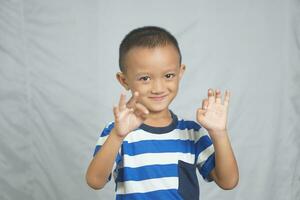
{"x":58,"y":61}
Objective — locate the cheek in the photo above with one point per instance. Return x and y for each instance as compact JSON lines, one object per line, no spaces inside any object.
{"x":141,"y":88}
{"x":173,"y":85}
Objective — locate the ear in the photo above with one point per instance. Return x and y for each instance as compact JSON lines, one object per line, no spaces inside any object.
{"x":181,"y":71}
{"x":122,"y":79}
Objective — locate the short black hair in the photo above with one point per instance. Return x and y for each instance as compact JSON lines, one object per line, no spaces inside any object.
{"x":147,"y":36}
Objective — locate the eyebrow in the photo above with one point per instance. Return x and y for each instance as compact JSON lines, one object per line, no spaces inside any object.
{"x":147,"y":73}
{"x":165,"y":71}
{"x":142,"y":73}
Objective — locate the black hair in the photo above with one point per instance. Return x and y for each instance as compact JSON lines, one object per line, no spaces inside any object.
{"x":147,"y":36}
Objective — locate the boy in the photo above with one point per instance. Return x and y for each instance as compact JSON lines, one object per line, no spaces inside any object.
{"x":152,"y":153}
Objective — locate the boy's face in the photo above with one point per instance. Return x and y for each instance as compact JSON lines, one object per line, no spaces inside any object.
{"x":154,"y":73}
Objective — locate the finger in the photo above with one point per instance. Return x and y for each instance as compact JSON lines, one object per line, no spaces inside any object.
{"x":218,"y":96}
{"x":116,"y":112}
{"x":122,"y":102}
{"x":204,"y":104}
{"x":211,"y":96}
{"x":201,"y":111}
{"x":132,"y":100}
{"x":226,"y":98}
{"x":200,"y":114}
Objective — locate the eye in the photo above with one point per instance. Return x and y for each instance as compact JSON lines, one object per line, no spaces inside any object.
{"x":170,"y":75}
{"x":144,"y":78}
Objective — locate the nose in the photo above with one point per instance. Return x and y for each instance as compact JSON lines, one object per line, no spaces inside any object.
{"x":158,"y":87}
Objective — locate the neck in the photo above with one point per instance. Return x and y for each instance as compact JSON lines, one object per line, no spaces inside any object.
{"x":162,"y":118}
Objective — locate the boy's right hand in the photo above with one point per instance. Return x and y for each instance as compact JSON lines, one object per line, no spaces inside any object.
{"x":129,"y":116}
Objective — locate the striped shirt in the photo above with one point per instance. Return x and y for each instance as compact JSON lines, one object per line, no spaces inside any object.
{"x":161,"y":162}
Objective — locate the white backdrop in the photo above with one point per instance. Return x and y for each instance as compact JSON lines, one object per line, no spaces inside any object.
{"x":58,"y":61}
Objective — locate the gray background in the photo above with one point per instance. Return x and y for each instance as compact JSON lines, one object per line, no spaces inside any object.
{"x":58,"y":61}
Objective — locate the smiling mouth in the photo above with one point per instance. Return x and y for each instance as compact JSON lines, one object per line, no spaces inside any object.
{"x":158,"y":98}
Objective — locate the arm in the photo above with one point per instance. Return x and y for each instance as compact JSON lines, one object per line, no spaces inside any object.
{"x":101,"y":165}
{"x":213,"y":117}
{"x":128,"y":116}
{"x":225,"y":173}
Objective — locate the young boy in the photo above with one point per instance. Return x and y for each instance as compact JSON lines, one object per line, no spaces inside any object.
{"x":151,"y":152}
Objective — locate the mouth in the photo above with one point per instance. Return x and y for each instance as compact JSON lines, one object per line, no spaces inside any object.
{"x":158,"y":98}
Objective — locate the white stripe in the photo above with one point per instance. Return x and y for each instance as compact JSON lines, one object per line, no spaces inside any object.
{"x":101,"y":140}
{"x":147,"y":185}
{"x":202,"y":132}
{"x":140,"y":135}
{"x":114,"y":173}
{"x":198,"y":134}
{"x":205,"y":154}
{"x":157,"y":159}
{"x":137,"y":136}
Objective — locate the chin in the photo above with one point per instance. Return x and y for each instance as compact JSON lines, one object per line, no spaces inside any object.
{"x":157,"y":107}
{"x":157,"y":110}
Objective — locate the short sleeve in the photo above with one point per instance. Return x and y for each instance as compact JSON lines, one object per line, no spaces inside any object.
{"x":103,"y":136}
{"x":205,"y":154}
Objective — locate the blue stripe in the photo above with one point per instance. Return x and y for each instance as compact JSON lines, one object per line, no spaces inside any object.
{"x":207,"y":167}
{"x":104,"y":133}
{"x":118,"y":158}
{"x":158,"y":146}
{"x":107,"y":130}
{"x":147,"y":172}
{"x":96,"y":150}
{"x":182,"y":124}
{"x":157,"y":195}
{"x":202,"y":144}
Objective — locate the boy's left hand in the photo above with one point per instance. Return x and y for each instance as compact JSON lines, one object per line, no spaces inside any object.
{"x":213,"y":114}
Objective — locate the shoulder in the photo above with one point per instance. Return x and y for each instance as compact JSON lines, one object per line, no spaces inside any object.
{"x":192,"y":127}
{"x":103,"y":136}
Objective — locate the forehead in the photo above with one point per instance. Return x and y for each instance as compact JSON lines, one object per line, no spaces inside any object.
{"x":151,"y":60}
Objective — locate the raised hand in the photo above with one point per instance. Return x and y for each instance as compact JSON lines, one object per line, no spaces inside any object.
{"x":130,"y":115}
{"x":213,"y":114}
